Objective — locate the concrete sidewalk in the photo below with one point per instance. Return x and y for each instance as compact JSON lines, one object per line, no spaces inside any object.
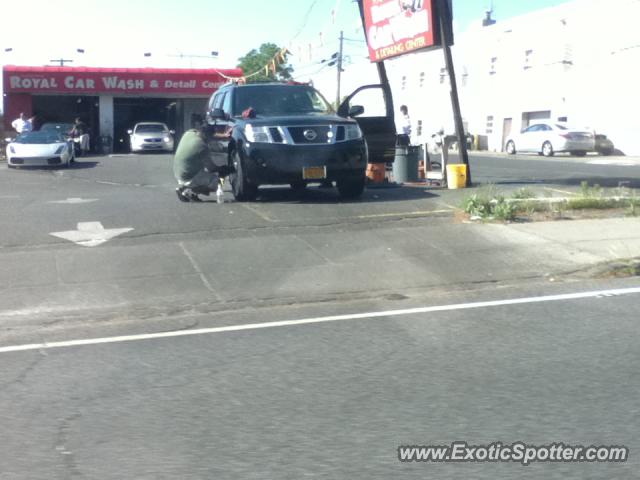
{"x":155,"y":277}
{"x":582,"y":242}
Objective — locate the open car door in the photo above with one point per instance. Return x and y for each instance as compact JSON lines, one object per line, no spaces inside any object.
{"x":372,"y":107}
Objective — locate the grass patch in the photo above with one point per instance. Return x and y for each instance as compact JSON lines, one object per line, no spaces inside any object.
{"x":622,"y":270}
{"x":590,"y":192}
{"x":587,"y":203}
{"x":634,"y":207}
{"x":523,"y":194}
{"x":489,"y":204}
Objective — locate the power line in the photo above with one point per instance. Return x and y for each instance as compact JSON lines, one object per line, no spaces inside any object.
{"x":311,"y":74}
{"x":305,"y":20}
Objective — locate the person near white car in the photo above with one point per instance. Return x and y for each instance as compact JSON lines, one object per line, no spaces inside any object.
{"x":22,"y":124}
{"x":80,"y":135}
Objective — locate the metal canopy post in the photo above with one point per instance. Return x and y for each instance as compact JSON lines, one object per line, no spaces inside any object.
{"x":446,"y":33}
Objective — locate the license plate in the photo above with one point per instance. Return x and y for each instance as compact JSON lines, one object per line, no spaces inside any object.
{"x":314,"y":173}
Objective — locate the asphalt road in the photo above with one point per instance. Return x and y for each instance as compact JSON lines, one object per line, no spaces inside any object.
{"x":558,"y":171}
{"x":332,"y":399}
{"x":325,"y":399}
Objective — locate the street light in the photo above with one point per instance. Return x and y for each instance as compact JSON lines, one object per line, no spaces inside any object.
{"x":62,"y":61}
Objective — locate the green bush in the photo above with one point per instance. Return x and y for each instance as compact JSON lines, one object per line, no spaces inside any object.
{"x":590,"y":192}
{"x":523,"y":194}
{"x":593,"y":203}
{"x":488,"y":203}
{"x":476,"y":205}
{"x":502,"y":210}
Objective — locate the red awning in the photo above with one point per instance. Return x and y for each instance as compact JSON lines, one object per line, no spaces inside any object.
{"x":229,"y":72}
{"x":116,"y":81}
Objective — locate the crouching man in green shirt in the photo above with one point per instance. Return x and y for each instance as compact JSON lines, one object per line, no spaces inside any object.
{"x":193,"y":168}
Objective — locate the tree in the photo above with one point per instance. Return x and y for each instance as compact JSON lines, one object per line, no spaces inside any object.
{"x":257,"y":60}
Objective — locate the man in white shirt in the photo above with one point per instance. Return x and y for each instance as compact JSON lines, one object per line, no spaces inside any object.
{"x":22,"y":124}
{"x":404,"y":132}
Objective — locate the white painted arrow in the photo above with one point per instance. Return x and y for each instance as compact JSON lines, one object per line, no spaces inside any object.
{"x":74,"y":201}
{"x":91,"y":234}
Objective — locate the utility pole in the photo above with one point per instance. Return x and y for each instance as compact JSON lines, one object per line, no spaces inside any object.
{"x":339,"y":64}
{"x":62,"y":61}
{"x":446,"y":33}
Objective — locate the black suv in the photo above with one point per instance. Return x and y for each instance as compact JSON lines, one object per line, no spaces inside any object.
{"x":287,"y":133}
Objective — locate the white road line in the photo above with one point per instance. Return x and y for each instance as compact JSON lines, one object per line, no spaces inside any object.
{"x":616,"y":163}
{"x":196,"y":267}
{"x":572,"y":194}
{"x":334,"y":318}
{"x":74,"y":201}
{"x":403,"y":214}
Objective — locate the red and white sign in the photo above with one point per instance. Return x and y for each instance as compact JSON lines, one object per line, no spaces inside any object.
{"x":115,"y":81}
{"x":396,"y":27}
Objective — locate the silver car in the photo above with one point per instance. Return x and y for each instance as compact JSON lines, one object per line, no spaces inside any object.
{"x":147,"y":136}
{"x":550,"y":138}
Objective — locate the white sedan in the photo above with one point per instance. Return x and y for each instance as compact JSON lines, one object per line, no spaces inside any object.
{"x":151,"y":136}
{"x":550,"y":138}
{"x":43,"y":148}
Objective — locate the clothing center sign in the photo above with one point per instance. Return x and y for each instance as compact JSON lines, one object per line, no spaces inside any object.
{"x":69,"y":80}
{"x":396,"y":27}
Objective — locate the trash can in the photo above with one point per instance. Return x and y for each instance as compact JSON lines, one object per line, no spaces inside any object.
{"x":405,"y":164}
{"x":456,"y":176}
{"x":106,"y":144}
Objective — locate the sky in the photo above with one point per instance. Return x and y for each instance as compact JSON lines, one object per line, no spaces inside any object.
{"x":183,"y":33}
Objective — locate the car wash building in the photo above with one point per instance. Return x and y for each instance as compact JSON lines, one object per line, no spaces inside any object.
{"x":111,"y":100}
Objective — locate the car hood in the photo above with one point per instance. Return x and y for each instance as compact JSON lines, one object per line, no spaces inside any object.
{"x":35,"y":150}
{"x":151,"y":134}
{"x":294,"y":120}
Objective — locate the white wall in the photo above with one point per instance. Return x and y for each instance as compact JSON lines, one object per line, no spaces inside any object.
{"x":584,"y":64}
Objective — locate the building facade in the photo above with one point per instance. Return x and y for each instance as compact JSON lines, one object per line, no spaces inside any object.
{"x":111,"y":100}
{"x":578,"y":62}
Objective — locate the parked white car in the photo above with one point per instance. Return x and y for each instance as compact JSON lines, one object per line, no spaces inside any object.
{"x":550,"y":138}
{"x":42,"y":148}
{"x":151,"y":136}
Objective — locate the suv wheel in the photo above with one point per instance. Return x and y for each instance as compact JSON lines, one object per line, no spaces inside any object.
{"x":351,"y":187}
{"x":242,"y":190}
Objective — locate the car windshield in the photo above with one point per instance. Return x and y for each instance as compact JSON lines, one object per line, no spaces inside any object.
{"x":62,"y":127}
{"x":268,"y":100}
{"x":561,"y":127}
{"x":150,"y":128}
{"x":39,"y":138}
